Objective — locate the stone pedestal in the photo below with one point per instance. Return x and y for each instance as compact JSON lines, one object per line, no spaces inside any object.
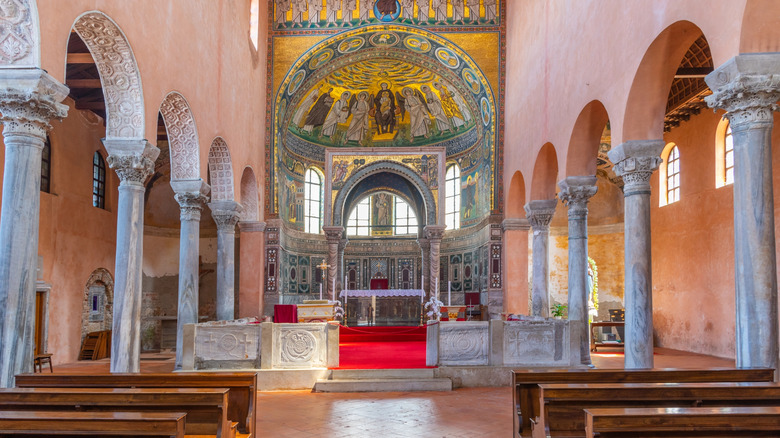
{"x":516,"y":265}
{"x":539,"y":215}
{"x":190,"y":194}
{"x":133,"y":161}
{"x":251,"y":268}
{"x":635,"y":161}
{"x":575,"y":193}
{"x":226,"y":215}
{"x":29,"y":100}
{"x":748,"y":88}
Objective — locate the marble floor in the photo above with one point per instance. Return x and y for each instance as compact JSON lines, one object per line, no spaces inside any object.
{"x":465,"y":412}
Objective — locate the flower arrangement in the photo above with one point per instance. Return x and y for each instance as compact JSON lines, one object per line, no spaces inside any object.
{"x":338,"y":311}
{"x":435,"y":308}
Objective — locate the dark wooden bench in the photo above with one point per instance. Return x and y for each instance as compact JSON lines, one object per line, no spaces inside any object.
{"x":38,"y":423}
{"x":242,"y":386}
{"x":524,"y":381}
{"x":689,"y":422}
{"x":559,"y":410}
{"x":206,"y":408}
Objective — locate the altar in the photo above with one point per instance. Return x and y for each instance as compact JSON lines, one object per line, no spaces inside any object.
{"x":385,"y":307}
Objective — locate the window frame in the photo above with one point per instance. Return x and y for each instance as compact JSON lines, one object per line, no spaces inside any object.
{"x":360,"y":226}
{"x":98,"y":181}
{"x":407,"y":222}
{"x":452,"y":201}
{"x":723,"y":139}
{"x":309,"y":219}
{"x":46,"y":159}
{"x":663,"y":175}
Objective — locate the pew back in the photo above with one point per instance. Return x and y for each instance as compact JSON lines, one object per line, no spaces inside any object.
{"x":154,"y":424}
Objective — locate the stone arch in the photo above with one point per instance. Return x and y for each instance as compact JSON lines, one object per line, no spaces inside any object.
{"x":581,"y":157}
{"x":119,"y":74}
{"x":646,"y":105}
{"x":760,"y":32}
{"x":182,"y":137}
{"x":516,"y":197}
{"x":249,"y":196}
{"x":89,"y":322}
{"x":545,"y":173}
{"x":221,"y":171}
{"x":20,"y":34}
{"x":392,"y":167}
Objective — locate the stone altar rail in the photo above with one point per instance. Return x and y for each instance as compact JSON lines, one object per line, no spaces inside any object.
{"x":269,"y":346}
{"x":543,"y":343}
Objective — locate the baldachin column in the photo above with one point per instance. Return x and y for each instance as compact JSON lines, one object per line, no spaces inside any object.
{"x":425,"y":250}
{"x":748,"y":88}
{"x":434,"y":234}
{"x":635,"y":161}
{"x":29,"y":100}
{"x":333,"y":234}
{"x":226,"y":215}
{"x":539,"y":214}
{"x":191,"y":195}
{"x":575,"y":193}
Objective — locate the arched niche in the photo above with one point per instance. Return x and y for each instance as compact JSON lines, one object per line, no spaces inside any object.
{"x":220,"y":171}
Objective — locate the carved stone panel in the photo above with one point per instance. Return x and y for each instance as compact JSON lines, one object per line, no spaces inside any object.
{"x":300,"y":346}
{"x":228,"y":343}
{"x":464,"y":343}
{"x":535,"y":342}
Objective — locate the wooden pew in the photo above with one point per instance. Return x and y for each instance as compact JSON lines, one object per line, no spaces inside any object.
{"x":524,"y":380}
{"x":559,"y":410}
{"x":206,"y":408}
{"x":242,"y":386}
{"x":675,"y":422}
{"x":155,"y":424}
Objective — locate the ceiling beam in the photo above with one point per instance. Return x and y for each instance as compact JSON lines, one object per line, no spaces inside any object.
{"x":80,"y":58}
{"x":83,"y":83}
{"x":692,"y":72}
{"x":93,"y":105}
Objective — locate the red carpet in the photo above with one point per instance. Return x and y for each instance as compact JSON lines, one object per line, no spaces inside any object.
{"x":381,"y":347}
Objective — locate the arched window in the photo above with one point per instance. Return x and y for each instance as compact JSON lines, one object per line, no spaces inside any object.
{"x":669,"y":175}
{"x":359,"y":223}
{"x":452,"y":197}
{"x":98,"y":181}
{"x":724,"y":154}
{"x":46,"y":166}
{"x":728,"y":156}
{"x":405,"y":219}
{"x":254,"y":22}
{"x":312,"y":204}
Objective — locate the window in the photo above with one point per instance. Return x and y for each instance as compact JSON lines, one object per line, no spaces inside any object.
{"x":46,"y":166}
{"x":312,"y":204}
{"x":254,"y":21}
{"x":673,"y":176}
{"x":98,"y":181}
{"x":405,"y":219}
{"x":452,"y":197}
{"x":728,"y":156}
{"x":359,"y":223}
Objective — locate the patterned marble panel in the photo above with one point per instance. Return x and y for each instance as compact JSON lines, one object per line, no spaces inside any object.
{"x":464,"y":343}
{"x":299,"y":346}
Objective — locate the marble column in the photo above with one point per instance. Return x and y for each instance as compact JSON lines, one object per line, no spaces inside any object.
{"x":539,"y":214}
{"x":226,"y":215}
{"x":425,"y":250}
{"x":29,"y":100}
{"x":251,"y":262}
{"x":516,"y":265}
{"x":434,"y":234}
{"x":748,"y":88}
{"x":635,"y":161}
{"x":191,"y":195}
{"x":334,"y":235}
{"x":575,"y":193}
{"x":133,"y":161}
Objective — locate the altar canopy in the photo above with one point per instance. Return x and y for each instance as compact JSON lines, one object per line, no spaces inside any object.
{"x":379,"y":293}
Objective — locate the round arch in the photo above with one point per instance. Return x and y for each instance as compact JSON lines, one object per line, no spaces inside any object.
{"x":182,"y":137}
{"x":220,"y":171}
{"x":99,"y":293}
{"x":581,"y":157}
{"x":429,"y":203}
{"x":119,"y":74}
{"x":249,"y":196}
{"x":545,"y":175}
{"x":516,"y":196}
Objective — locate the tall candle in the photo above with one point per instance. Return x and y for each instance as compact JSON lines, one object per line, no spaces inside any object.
{"x":320,"y":290}
{"x":449,"y":293}
{"x":436,"y":286}
{"x":334,"y":288}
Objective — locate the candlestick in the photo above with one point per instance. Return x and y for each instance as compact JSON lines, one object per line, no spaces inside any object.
{"x":320,"y":291}
{"x":449,"y":293}
{"x":334,"y":288}
{"x":436,"y":286}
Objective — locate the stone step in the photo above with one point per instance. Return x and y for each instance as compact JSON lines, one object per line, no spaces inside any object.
{"x":380,"y":374}
{"x":383,"y":385}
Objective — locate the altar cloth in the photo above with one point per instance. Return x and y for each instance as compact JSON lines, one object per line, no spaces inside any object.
{"x":382,"y":293}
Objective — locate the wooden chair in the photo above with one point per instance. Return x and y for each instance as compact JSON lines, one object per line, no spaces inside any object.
{"x":41,"y":359}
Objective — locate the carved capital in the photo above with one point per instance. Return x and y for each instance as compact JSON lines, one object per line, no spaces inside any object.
{"x":747,"y":87}
{"x":515,"y":224}
{"x":425,"y":244}
{"x":29,"y":99}
{"x":226,"y":214}
{"x":540,"y":213}
{"x":635,"y":161}
{"x":333,"y":234}
{"x":191,"y":194}
{"x":434,"y":233}
{"x":575,"y":193}
{"x":131,"y":159}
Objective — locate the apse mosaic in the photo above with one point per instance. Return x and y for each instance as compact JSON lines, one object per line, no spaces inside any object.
{"x":325,"y":14}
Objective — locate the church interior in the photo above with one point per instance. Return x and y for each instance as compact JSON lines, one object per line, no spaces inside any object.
{"x":519,"y":186}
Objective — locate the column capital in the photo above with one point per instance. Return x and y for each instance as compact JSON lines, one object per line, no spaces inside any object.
{"x":515,"y":224}
{"x":333,"y":233}
{"x":747,"y":86}
{"x":576,"y":191}
{"x":424,"y":243}
{"x":191,"y":194}
{"x":635,"y":161}
{"x":540,"y":213}
{"x":226,"y":214}
{"x":251,"y":226}
{"x":29,"y":99}
{"x":434,"y":232}
{"x":131,"y":158}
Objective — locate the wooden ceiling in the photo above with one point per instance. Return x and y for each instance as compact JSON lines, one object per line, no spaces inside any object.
{"x":686,"y":96}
